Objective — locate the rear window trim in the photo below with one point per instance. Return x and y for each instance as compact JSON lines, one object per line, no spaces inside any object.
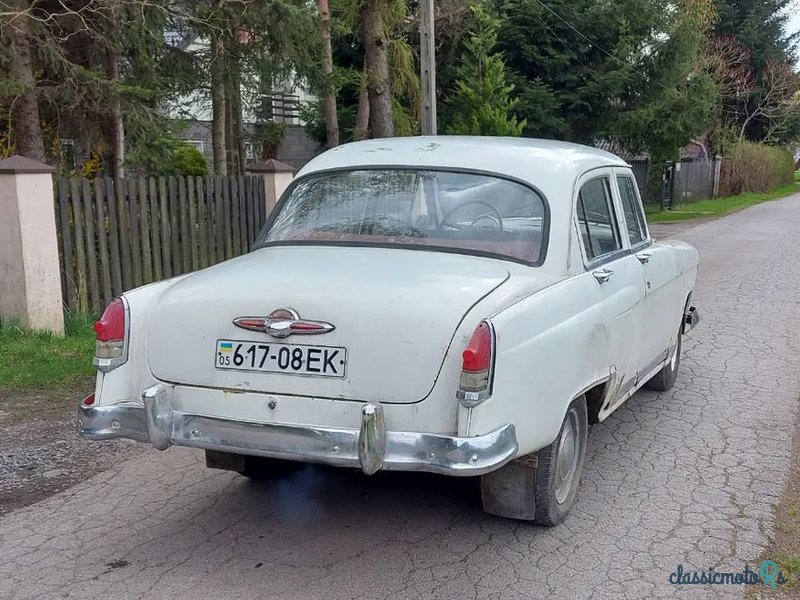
{"x":614,"y":222}
{"x":285,"y":196}
{"x":638,"y":208}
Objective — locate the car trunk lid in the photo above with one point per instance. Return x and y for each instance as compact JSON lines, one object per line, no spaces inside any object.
{"x":395,"y":311}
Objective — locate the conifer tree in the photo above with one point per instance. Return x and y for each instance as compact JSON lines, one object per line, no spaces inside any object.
{"x":483,"y":102}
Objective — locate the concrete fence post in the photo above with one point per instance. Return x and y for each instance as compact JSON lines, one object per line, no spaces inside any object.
{"x":277,"y":176}
{"x":717,"y":171}
{"x":30,"y":280}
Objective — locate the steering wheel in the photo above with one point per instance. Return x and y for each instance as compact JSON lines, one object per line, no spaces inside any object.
{"x":493,"y":214}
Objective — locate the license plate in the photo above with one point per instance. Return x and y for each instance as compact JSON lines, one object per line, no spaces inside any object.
{"x":298,"y":359}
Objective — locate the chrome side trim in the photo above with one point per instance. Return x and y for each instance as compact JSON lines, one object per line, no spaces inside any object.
{"x":625,"y":387}
{"x":370,"y":448}
{"x":654,"y":364}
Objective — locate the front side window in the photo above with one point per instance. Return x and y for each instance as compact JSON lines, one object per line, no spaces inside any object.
{"x":596,"y":218}
{"x":419,"y":209}
{"x":634,"y":219}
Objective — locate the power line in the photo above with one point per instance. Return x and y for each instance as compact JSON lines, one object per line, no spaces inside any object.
{"x":603,"y":50}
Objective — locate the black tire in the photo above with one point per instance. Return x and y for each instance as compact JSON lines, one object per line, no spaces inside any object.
{"x":665,"y":378}
{"x":555,"y":493}
{"x":259,"y":468}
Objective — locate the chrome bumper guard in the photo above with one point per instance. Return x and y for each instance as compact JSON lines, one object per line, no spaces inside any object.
{"x":370,"y":448}
{"x":690,"y":319}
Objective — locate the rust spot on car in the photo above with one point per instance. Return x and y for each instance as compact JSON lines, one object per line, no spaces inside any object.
{"x":429,"y":148}
{"x":233,"y":391}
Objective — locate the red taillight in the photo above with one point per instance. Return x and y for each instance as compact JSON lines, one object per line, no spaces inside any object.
{"x":478,"y":353}
{"x":111,"y":326}
{"x":89,"y":400}
{"x":476,"y":368}
{"x":111,"y":345}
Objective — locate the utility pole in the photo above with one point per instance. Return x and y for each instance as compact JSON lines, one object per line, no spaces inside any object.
{"x":427,"y":66}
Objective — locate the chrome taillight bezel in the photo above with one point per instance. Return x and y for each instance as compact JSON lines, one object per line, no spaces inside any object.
{"x":471,"y":398}
{"x":107,"y":363}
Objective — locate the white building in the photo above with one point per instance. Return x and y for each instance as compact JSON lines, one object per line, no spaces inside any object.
{"x":282,"y":106}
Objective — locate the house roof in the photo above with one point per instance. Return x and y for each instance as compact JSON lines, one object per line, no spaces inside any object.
{"x":698,"y":148}
{"x":271,"y":166}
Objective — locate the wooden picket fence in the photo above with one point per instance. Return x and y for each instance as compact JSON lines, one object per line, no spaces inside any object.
{"x":115,"y":236}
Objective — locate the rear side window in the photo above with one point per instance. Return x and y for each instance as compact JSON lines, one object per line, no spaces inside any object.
{"x":634,"y":219}
{"x":596,"y":218}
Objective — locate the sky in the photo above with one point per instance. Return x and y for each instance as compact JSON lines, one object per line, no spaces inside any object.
{"x":793,"y":25}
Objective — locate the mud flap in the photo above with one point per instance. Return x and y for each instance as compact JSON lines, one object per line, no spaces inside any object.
{"x":510,"y":491}
{"x":690,"y":319}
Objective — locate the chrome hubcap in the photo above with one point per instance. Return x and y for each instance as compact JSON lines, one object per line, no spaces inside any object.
{"x":567,"y":457}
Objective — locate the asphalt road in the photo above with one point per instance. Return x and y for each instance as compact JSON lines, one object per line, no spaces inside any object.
{"x":688,"y":477}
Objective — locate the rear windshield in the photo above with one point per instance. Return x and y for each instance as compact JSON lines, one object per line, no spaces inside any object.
{"x":448,"y":211}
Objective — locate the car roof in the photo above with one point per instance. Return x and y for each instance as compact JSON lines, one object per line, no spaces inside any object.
{"x":549,"y":166}
{"x":546,"y":164}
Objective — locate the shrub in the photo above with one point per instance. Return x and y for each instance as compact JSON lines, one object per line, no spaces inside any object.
{"x":166,"y":155}
{"x":187,"y":160}
{"x":755,"y":168}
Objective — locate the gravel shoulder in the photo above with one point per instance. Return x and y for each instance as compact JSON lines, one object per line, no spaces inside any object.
{"x":40,"y":451}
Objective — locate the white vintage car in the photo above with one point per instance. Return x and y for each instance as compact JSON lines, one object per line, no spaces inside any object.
{"x":464,"y":306}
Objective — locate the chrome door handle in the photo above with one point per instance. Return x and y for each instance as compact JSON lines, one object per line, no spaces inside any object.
{"x":644,"y":257}
{"x":602,"y":275}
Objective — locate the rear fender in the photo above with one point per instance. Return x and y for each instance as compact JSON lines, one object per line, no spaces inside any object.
{"x":125,"y":383}
{"x":542,"y":364}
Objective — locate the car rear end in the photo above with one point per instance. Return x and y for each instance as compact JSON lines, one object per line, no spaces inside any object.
{"x":178,"y":368}
{"x":356,"y":334}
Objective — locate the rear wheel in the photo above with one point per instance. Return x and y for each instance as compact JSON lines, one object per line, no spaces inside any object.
{"x":560,"y":466}
{"x":541,"y":487}
{"x":665,"y":378}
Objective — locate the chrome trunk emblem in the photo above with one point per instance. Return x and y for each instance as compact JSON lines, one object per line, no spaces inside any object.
{"x":282,"y":323}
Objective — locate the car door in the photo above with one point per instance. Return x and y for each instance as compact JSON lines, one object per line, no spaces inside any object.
{"x":618,"y":287}
{"x":656,"y":264}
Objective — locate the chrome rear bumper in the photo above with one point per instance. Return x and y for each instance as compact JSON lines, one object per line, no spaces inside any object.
{"x":370,"y":448}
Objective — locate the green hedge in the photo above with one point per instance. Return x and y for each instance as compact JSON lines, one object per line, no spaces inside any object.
{"x":187,"y":160}
{"x":755,"y":168}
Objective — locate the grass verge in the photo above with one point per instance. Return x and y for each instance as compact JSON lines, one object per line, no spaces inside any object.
{"x":784,"y":544}
{"x":41,"y":359}
{"x":718,"y":207}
